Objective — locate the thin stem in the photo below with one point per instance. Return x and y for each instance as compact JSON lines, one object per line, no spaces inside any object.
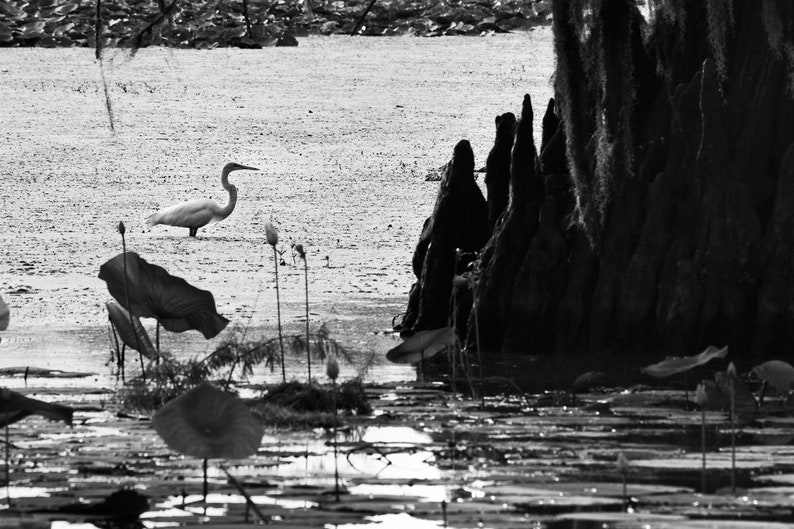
{"x":8,"y":471}
{"x":479,"y":354}
{"x":308,"y":343}
{"x":278,"y":314}
{"x":129,"y":309}
{"x":118,"y":354}
{"x":205,"y":483}
{"x":703,"y":446}
{"x":733,"y":436}
{"x":336,"y":464}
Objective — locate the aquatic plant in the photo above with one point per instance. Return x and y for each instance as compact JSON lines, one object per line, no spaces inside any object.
{"x":271,"y":236}
{"x":132,"y":333}
{"x":680,"y":364}
{"x":731,"y":374}
{"x":208,"y":423}
{"x":302,"y":254}
{"x":332,"y":370}
{"x":778,"y":374}
{"x":470,"y":279}
{"x":702,"y":398}
{"x":421,"y":346}
{"x":15,"y":407}
{"x":122,"y":230}
{"x":623,"y":469}
{"x":5,"y":315}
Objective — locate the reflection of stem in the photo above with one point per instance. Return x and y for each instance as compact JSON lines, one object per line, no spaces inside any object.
{"x":248,"y":500}
{"x":733,"y":435}
{"x":129,"y":309}
{"x":278,"y":314}
{"x":205,"y":485}
{"x":308,"y":344}
{"x":703,"y":446}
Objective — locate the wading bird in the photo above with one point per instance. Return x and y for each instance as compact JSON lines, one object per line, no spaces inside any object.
{"x":198,"y":213}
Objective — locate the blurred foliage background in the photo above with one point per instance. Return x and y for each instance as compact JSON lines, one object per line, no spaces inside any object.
{"x":205,"y":24}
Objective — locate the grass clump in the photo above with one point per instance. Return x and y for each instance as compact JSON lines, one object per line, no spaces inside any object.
{"x":297,"y":404}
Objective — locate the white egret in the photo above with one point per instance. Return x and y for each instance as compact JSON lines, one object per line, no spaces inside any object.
{"x":196,"y":214}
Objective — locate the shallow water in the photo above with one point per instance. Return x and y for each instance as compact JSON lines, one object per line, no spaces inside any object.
{"x":344,"y":131}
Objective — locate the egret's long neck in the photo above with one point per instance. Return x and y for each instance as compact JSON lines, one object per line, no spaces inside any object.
{"x":229,"y":207}
{"x":225,"y":178}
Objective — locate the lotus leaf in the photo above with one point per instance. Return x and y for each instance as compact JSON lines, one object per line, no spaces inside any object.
{"x":5,"y":315}
{"x":154,"y":293}
{"x":132,"y":334}
{"x":778,"y":374}
{"x":422,"y":345}
{"x":679,"y":364}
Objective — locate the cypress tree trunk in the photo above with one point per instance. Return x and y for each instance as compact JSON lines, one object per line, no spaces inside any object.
{"x":660,"y":214}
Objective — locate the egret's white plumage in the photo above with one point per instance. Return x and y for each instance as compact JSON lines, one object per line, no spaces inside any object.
{"x":196,"y":214}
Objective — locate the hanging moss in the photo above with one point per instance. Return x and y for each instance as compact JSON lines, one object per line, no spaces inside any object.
{"x":720,"y":26}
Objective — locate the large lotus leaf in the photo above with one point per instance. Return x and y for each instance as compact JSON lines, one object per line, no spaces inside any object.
{"x":422,"y":345}
{"x":679,"y":364}
{"x":208,"y":423}
{"x":778,"y":374}
{"x":154,"y":293}
{"x":132,"y":332}
{"x":15,"y":406}
{"x":5,"y":315}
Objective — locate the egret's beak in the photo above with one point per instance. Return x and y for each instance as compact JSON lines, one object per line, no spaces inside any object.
{"x":249,"y":168}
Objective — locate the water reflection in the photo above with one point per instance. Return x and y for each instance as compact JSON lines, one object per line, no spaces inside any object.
{"x":383,"y":452}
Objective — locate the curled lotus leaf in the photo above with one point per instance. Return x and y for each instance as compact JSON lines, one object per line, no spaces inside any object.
{"x":130,"y":330}
{"x":778,"y":374}
{"x":154,"y":293}
{"x":422,"y":345}
{"x":5,"y":315}
{"x":679,"y":364}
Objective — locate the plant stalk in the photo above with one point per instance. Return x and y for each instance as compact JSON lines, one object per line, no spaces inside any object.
{"x":703,"y":447}
{"x":479,"y":354}
{"x":8,"y":470}
{"x":336,"y":447}
{"x":278,"y":315}
{"x":733,"y":435}
{"x":308,"y":343}
{"x":129,"y":309}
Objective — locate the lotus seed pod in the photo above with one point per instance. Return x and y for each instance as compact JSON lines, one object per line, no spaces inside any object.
{"x":623,"y":463}
{"x":700,"y":395}
{"x":301,"y":252}
{"x":332,"y":368}
{"x":271,"y":234}
{"x":731,"y":371}
{"x":121,"y":228}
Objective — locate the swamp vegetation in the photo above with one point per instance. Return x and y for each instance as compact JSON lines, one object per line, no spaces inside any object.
{"x":652,"y":219}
